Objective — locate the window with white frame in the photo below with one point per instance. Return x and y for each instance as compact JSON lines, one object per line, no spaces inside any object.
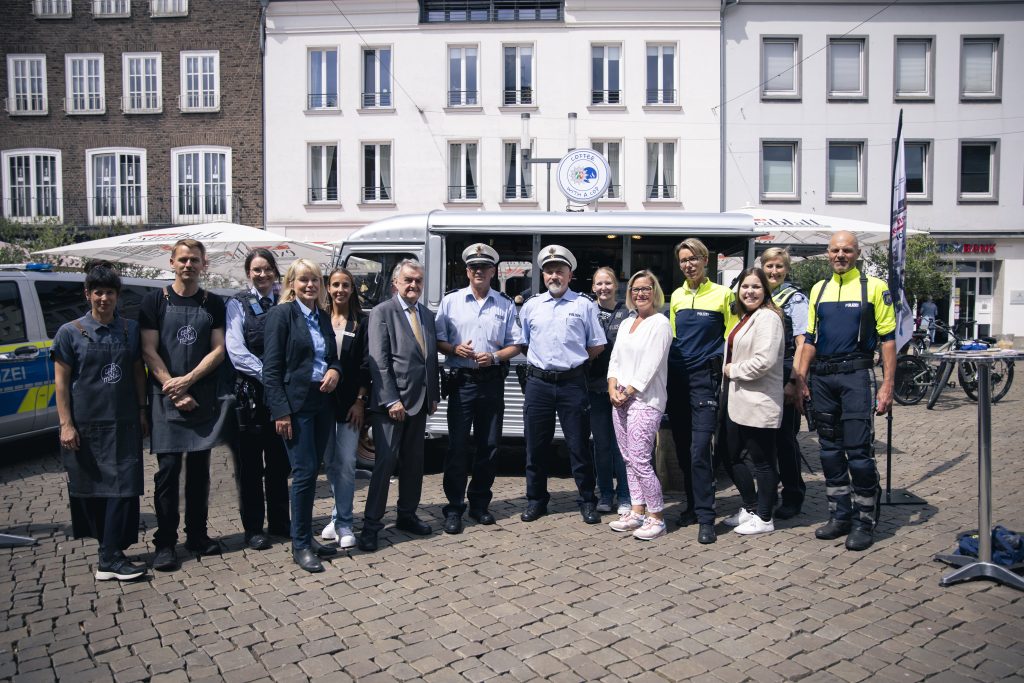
{"x":323,"y":79}
{"x":517,"y":61}
{"x":323,"y":173}
{"x":51,"y":9}
{"x":846,"y":170}
{"x":847,"y":68}
{"x":463,"y":86}
{"x":913,"y":74}
{"x":116,"y":181}
{"x":606,"y":74}
{"x":142,"y":83}
{"x":780,"y":67}
{"x":85,"y":87}
{"x":780,"y":170}
{"x":200,"y":184}
{"x":979,"y":171}
{"x":200,"y":81}
{"x":32,"y":184}
{"x":661,"y":74}
{"x":463,"y":162}
{"x":612,"y":151}
{"x":26,"y":84}
{"x":917,"y":159}
{"x":661,"y":170}
{"x":377,"y":91}
{"x":168,"y":8}
{"x":980,"y":68}
{"x":377,"y":172}
{"x":517,"y":177}
{"x":111,"y":9}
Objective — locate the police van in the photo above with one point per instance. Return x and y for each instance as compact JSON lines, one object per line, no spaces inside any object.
{"x":626,"y":241}
{"x":34,"y":303}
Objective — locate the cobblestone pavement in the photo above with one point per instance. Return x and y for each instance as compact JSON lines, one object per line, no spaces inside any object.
{"x":555,"y":599}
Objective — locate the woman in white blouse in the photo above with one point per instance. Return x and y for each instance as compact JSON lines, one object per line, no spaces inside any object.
{"x":637,"y":380}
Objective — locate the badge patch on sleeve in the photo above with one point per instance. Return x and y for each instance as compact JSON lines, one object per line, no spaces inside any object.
{"x":887,"y":298}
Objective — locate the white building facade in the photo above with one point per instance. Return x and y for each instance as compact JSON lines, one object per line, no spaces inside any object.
{"x":813,"y":92}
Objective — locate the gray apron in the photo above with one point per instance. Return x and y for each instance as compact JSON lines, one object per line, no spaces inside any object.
{"x":184,"y":342}
{"x":105,"y":410}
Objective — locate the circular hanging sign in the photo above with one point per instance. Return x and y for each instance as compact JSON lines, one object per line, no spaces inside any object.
{"x":583,"y":175}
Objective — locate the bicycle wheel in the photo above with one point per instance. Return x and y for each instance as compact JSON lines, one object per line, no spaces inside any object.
{"x":1001,"y":377}
{"x":941,"y":377}
{"x":911,"y":380}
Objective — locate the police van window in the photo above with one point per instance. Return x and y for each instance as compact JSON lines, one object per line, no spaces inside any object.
{"x":61,"y":301}
{"x":372,"y":273}
{"x":12,"y":315}
{"x":591,"y":252}
{"x":129,"y":300}
{"x":514,"y":269}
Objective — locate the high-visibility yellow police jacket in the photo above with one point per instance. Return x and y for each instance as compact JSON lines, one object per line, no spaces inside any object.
{"x":701,"y":319}
{"x":833,"y":321}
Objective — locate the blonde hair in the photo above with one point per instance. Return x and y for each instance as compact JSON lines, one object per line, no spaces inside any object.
{"x":288,"y":286}
{"x":605,"y":269}
{"x":657,"y":295}
{"x":777,"y":253}
{"x":694,"y":245}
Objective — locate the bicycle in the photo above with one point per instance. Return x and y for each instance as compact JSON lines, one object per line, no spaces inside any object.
{"x":916,"y":378}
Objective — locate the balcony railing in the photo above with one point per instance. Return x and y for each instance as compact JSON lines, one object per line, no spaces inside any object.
{"x":458,"y":193}
{"x":111,"y":9}
{"x":606,"y":97}
{"x":661,"y":191}
{"x":147,"y":103}
{"x":198,"y":103}
{"x":661,"y":96}
{"x":520,"y":96}
{"x":461,"y":11}
{"x":321,"y":100}
{"x":26,"y":105}
{"x":168,"y":8}
{"x":613,"y":192}
{"x":129,"y":208}
{"x":377,"y":193}
{"x":463,"y":98}
{"x":518,"y":192}
{"x":25,"y":206}
{"x":51,"y":9}
{"x":85,"y":104}
{"x":322,"y":194}
{"x":377,"y":99}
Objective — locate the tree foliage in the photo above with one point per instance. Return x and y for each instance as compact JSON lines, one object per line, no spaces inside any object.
{"x":924,"y":276}
{"x":806,"y":273}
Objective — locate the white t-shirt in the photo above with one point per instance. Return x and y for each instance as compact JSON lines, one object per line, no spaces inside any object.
{"x":640,"y":359}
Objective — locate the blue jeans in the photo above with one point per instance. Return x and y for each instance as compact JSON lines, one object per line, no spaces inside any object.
{"x":341,"y":473}
{"x":312,"y":433}
{"x":608,"y":460}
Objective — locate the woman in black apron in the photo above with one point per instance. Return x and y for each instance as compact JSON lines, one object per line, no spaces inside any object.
{"x":101,"y":402}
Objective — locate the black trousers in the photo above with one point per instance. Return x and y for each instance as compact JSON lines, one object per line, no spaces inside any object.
{"x":261,"y":475}
{"x":787,"y":451}
{"x":394,"y":443}
{"x":165,"y":496}
{"x":114,"y":522}
{"x":479,"y":406}
{"x":693,"y":417}
{"x":759,"y":445}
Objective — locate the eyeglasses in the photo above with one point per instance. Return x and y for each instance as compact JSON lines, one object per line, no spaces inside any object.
{"x":262,"y":271}
{"x":479,"y":266}
{"x":689,"y":261}
{"x":642,"y":290}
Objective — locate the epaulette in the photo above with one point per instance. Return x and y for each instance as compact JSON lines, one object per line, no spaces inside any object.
{"x":589,"y":297}
{"x":534,"y":296}
{"x":452,"y":290}
{"x":506,"y":296}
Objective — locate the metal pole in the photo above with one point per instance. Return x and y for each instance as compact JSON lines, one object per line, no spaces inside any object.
{"x":984,"y":462}
{"x":549,"y":186}
{"x":888,"y":456}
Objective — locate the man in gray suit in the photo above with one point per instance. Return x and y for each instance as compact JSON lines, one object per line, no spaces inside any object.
{"x":404,"y":391}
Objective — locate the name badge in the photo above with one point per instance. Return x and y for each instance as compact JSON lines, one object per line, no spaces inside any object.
{"x":254,"y":304}
{"x":348,"y":334}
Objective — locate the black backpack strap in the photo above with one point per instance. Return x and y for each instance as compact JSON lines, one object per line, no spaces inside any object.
{"x":864,"y":330}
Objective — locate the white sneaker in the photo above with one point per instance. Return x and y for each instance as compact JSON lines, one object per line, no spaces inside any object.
{"x":346,"y":539}
{"x":624,"y":508}
{"x":627,"y":522}
{"x":329,"y":533}
{"x":741,"y":517}
{"x":755,"y":525}
{"x":651,"y":529}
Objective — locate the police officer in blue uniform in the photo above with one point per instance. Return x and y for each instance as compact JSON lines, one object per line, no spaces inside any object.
{"x":560,"y":334}
{"x":476,"y":329}
{"x":851,"y":316}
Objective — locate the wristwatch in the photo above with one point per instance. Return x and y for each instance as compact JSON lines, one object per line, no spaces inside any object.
{"x":364,"y":398}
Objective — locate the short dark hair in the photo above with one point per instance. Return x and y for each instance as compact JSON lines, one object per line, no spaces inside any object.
{"x":266,"y":255}
{"x":101,"y":274}
{"x":188,"y":243}
{"x":737,"y":305}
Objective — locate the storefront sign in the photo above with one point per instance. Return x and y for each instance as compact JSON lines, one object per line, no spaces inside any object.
{"x":966,"y":248}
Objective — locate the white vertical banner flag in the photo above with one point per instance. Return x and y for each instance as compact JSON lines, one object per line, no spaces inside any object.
{"x":898,"y":244}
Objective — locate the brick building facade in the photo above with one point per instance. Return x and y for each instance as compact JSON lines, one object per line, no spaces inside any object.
{"x":141,"y":112}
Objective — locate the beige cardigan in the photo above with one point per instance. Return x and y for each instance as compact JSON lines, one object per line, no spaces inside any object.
{"x":755,"y":382}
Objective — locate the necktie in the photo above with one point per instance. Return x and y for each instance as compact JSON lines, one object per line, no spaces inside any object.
{"x":417,"y":331}
{"x":266,"y":302}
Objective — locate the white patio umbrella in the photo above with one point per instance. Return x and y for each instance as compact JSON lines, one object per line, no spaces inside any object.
{"x":226,"y":247}
{"x":788,"y":228}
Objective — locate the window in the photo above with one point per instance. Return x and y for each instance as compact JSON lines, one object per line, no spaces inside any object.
{"x":61,"y":301}
{"x":84,"y":84}
{"x":142,"y":83}
{"x":780,"y":68}
{"x":661,"y":170}
{"x":661,"y":74}
{"x":462,"y":77}
{"x":780,"y":170}
{"x":518,"y":63}
{"x":32,"y":186}
{"x":377,"y":172}
{"x":168,"y":8}
{"x":518,"y":182}
{"x":51,"y":9}
{"x":201,"y":184}
{"x":913,"y":73}
{"x":323,"y":79}
{"x":446,"y":11}
{"x":323,"y":173}
{"x":111,"y":8}
{"x":12,"y":315}
{"x":979,"y":170}
{"x":116,"y":179}
{"x":612,"y":151}
{"x":846,"y":171}
{"x":917,"y":159}
{"x":26,"y":84}
{"x":377,"y":77}
{"x":980,"y":68}
{"x":372,"y":272}
{"x":606,"y":75}
{"x":200,"y":81}
{"x":847,"y":72}
{"x":462,"y":172}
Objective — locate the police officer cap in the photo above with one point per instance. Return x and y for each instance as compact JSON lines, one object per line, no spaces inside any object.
{"x":480,"y":254}
{"x":556,"y":253}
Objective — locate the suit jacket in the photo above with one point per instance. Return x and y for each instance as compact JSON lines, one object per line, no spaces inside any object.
{"x":755,"y":381}
{"x":288,"y":357}
{"x":398,"y":369}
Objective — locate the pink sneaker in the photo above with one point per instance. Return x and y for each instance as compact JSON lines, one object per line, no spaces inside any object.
{"x":651,"y":529}
{"x":627,"y":522}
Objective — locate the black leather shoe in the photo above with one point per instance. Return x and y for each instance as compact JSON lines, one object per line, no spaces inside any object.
{"x":787,"y":510}
{"x":368,"y":541}
{"x":533,"y":512}
{"x":165,"y":560}
{"x":860,"y":538}
{"x":453,"y":523}
{"x":258,"y":542}
{"x":687,"y":517}
{"x":833,"y":529}
{"x":203,"y":546}
{"x":707,"y":534}
{"x":484,"y":517}
{"x":324,"y":550}
{"x":414,"y":525}
{"x":589,"y":513}
{"x":308,"y":560}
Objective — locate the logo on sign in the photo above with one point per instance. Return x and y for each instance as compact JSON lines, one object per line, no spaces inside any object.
{"x":583,"y":175}
{"x":187,"y":335}
{"x":111,"y":373}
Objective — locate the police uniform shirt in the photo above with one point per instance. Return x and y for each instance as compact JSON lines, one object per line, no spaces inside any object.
{"x":833,"y":322}
{"x":69,"y":344}
{"x":701,"y":320}
{"x":490,"y":324}
{"x":559,"y":331}
{"x":241,"y":358}
{"x":795,"y":306}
